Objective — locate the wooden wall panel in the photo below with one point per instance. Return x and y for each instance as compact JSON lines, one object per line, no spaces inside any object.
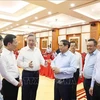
{"x":20,"y":40}
{"x":55,"y":35}
{"x":95,"y":31}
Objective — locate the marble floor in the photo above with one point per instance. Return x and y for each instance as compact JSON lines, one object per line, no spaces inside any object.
{"x":45,"y":89}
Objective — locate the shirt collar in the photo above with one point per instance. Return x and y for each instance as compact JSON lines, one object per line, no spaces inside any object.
{"x":95,"y":52}
{"x":66,"y":53}
{"x":7,"y":51}
{"x":27,"y":47}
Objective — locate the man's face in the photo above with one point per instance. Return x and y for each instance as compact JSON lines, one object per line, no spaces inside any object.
{"x":72,"y":47}
{"x":91,"y":47}
{"x":31,"y":41}
{"x":1,"y":44}
{"x":62,"y":47}
{"x":13,"y":45}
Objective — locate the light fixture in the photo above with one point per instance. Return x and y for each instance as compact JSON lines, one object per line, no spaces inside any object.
{"x":49,"y":13}
{"x":17,"y":24}
{"x":83,"y":22}
{"x":93,"y":10}
{"x":36,"y":17}
{"x":26,"y":21}
{"x":72,"y":5}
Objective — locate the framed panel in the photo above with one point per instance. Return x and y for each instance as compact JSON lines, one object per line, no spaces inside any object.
{"x":44,"y":43}
{"x":77,"y":41}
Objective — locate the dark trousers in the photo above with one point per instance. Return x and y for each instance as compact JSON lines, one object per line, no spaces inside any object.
{"x":30,"y":81}
{"x":63,"y":89}
{"x":74,"y":86}
{"x":9,"y":91}
{"x":96,"y":91}
{"x":87,"y":83}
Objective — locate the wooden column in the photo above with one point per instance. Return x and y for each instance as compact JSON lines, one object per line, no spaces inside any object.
{"x":55,"y":34}
{"x":95,"y":30}
{"x":20,"y":42}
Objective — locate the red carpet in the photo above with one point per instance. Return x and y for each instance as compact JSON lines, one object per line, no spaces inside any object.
{"x":81,"y":95}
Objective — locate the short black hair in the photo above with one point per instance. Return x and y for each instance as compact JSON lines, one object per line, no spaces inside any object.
{"x":8,"y":38}
{"x":72,"y":42}
{"x":95,"y":42}
{"x":31,"y":34}
{"x":1,"y":38}
{"x":65,"y":42}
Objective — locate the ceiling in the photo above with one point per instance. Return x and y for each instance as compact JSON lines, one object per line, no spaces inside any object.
{"x":25,"y":16}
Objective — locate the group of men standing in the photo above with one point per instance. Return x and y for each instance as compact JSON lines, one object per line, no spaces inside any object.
{"x":67,"y":67}
{"x":30,"y":59}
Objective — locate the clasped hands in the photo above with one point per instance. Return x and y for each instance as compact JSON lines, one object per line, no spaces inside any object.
{"x":56,"y":70}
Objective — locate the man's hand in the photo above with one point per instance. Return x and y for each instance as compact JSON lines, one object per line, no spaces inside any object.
{"x":80,"y":76}
{"x":31,"y":64}
{"x":56,"y":70}
{"x":91,"y":91}
{"x":20,"y":83}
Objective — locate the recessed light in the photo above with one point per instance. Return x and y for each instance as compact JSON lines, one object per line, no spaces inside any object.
{"x":36,"y":17}
{"x":93,"y":10}
{"x":83,"y":22}
{"x":72,"y":5}
{"x":26,"y":21}
{"x":49,"y":13}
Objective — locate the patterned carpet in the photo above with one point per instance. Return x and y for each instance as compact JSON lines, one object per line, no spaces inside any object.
{"x":81,"y":95}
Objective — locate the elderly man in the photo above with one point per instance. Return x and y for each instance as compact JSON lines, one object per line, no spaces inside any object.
{"x":30,"y":59}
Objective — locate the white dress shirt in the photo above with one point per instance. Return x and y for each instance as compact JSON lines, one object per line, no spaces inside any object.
{"x":48,"y":50}
{"x":78,"y":61}
{"x":27,"y":55}
{"x":96,"y":71}
{"x":0,"y":83}
{"x":8,"y":66}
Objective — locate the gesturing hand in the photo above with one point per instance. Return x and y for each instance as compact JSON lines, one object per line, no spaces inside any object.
{"x":31,"y":64}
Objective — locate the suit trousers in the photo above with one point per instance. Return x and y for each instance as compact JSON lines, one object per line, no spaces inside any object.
{"x":87,"y":83}
{"x":74,"y":87}
{"x":9,"y":91}
{"x":96,"y":91}
{"x":63,"y":89}
{"x":30,"y":81}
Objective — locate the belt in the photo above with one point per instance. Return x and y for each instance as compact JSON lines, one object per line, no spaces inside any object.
{"x":97,"y":83}
{"x":63,"y":79}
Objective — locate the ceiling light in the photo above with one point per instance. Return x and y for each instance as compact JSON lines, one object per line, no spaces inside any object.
{"x":72,"y":5}
{"x":49,"y":13}
{"x":83,"y":22}
{"x":93,"y":10}
{"x":36,"y":17}
{"x":17,"y":24}
{"x":26,"y":21}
